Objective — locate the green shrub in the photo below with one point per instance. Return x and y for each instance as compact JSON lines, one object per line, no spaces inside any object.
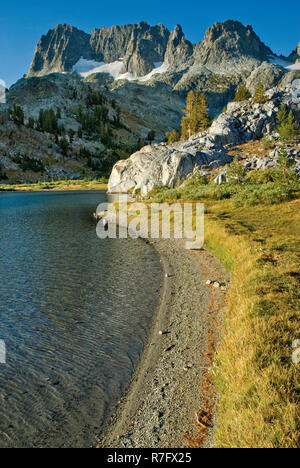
{"x":236,"y":172}
{"x":242,"y":94}
{"x":196,"y":180}
{"x":264,"y":188}
{"x":263,"y":176}
{"x":173,"y":136}
{"x":267,"y":194}
{"x":259,"y":95}
{"x":267,"y":143}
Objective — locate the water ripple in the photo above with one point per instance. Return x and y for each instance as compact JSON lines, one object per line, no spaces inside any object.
{"x":74,"y":312}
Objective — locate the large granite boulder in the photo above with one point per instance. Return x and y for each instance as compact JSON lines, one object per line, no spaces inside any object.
{"x":268,"y":74}
{"x":162,"y":165}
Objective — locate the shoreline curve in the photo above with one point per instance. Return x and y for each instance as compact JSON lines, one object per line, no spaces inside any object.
{"x":172,"y":384}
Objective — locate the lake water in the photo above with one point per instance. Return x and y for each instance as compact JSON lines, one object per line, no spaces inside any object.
{"x":75,"y":313}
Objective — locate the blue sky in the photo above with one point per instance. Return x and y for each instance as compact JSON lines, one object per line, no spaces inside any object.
{"x":22,"y":23}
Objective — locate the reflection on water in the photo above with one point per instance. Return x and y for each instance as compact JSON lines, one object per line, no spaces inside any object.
{"x":75,"y":312}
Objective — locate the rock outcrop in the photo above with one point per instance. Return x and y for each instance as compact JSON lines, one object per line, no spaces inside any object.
{"x":179,"y":51}
{"x":295,"y":55}
{"x":268,"y":74}
{"x":169,"y":165}
{"x":139,"y":46}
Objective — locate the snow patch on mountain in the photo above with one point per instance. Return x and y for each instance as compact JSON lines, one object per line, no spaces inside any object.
{"x":159,"y":67}
{"x":87,"y":67}
{"x":285,"y":63}
{"x":295,"y":66}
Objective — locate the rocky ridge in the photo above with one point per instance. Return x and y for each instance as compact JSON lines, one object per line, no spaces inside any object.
{"x":142,"y":64}
{"x":227,"y":47}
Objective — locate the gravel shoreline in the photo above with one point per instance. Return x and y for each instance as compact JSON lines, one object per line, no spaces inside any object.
{"x":173,"y":382}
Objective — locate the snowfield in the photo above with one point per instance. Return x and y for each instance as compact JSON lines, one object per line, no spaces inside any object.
{"x":87,"y":67}
{"x":285,"y":64}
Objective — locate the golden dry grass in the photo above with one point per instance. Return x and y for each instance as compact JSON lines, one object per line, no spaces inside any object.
{"x":257,"y":381}
{"x":55,"y":186}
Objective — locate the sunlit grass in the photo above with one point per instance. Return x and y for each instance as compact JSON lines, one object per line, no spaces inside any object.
{"x":255,"y":376}
{"x":83,"y":184}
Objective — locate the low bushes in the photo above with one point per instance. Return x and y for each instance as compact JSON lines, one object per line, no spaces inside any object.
{"x":266,"y":187}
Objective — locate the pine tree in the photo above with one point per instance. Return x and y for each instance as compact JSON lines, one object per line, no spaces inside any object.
{"x":259,"y":95}
{"x":282,"y":115}
{"x":236,"y":171}
{"x":190,"y":101}
{"x":200,"y":116}
{"x":17,"y":115}
{"x":242,"y":94}
{"x":285,"y":162}
{"x":292,"y":125}
{"x":151,"y":136}
{"x":64,"y":146}
{"x":173,"y":136}
{"x":287,"y":124}
{"x":184,"y":128}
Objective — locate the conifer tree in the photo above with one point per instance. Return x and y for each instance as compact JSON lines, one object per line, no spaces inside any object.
{"x":259,"y":95}
{"x":173,"y":136}
{"x":187,"y":119}
{"x":200,"y":116}
{"x":236,"y":171}
{"x":17,"y":115}
{"x":151,"y":136}
{"x":282,"y":115}
{"x":292,"y":132}
{"x":285,"y":162}
{"x":64,"y":146}
{"x":287,"y":124}
{"x":242,"y":94}
{"x":184,"y":128}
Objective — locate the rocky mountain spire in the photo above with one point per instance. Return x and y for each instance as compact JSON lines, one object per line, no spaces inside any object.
{"x":179,"y":50}
{"x":295,"y":55}
{"x":59,"y":50}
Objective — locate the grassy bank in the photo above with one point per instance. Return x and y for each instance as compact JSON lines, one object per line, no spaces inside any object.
{"x":255,"y":376}
{"x":254,"y":229}
{"x":58,"y":185}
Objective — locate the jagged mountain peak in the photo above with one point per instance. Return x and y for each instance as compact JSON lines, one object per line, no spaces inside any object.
{"x":179,"y":49}
{"x":231,"y":38}
{"x":139,"y":48}
{"x":59,"y":49}
{"x":295,"y":55}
